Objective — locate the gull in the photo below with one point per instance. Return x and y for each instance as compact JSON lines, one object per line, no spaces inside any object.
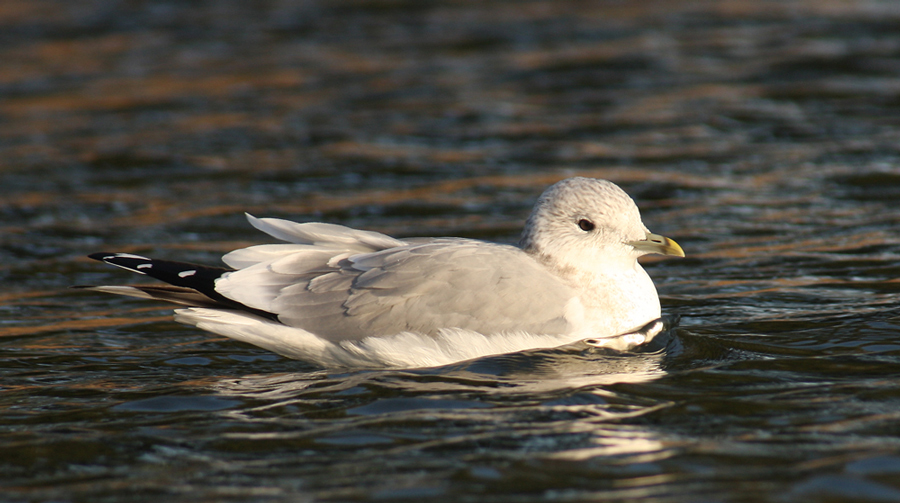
{"x":335,"y":296}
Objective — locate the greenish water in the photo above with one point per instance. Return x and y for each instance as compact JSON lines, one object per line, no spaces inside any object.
{"x":762,"y":136}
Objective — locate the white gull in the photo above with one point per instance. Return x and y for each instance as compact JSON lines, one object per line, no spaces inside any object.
{"x":337,"y":297}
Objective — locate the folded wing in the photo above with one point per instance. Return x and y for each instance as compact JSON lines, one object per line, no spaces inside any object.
{"x":345,"y":284}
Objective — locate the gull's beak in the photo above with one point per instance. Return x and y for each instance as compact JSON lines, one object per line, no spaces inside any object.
{"x":654,"y":243}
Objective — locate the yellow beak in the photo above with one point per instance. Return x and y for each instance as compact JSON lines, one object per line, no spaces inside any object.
{"x":654,"y":243}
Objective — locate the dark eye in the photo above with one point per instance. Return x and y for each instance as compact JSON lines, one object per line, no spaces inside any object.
{"x":585,"y":225}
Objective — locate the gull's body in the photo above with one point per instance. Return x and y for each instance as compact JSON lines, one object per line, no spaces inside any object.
{"x":337,"y":296}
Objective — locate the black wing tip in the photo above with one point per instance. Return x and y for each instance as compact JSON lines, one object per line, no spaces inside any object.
{"x":108,"y":256}
{"x":195,"y":277}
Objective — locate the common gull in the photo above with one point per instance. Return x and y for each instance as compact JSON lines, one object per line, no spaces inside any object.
{"x":337,"y":297}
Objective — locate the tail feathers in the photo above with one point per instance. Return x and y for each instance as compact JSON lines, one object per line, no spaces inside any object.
{"x":174,"y":294}
{"x":191,"y":284}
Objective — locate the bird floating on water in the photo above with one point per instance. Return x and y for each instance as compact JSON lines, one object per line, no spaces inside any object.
{"x":341,"y":297}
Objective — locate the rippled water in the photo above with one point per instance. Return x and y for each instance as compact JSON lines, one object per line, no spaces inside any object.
{"x":763,"y":136}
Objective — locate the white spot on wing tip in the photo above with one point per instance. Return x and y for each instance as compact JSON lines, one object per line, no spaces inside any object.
{"x":126,"y":255}
{"x":185,"y":274}
{"x":144,"y":266}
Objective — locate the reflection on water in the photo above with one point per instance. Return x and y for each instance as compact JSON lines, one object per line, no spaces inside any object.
{"x":525,"y":373}
{"x":761,"y":135}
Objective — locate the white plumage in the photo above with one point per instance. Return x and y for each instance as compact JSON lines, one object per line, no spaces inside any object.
{"x":337,"y":296}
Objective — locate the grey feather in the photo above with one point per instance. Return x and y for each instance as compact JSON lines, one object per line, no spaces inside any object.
{"x":413,"y":287}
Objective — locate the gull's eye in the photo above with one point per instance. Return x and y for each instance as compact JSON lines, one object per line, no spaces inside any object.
{"x":585,"y":225}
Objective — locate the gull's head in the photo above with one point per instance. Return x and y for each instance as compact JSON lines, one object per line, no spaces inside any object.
{"x":583,"y":221}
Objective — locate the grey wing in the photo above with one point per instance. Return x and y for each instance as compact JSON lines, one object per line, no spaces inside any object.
{"x":419,"y":287}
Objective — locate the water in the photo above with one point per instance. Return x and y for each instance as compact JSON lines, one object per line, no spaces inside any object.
{"x":763,"y":136}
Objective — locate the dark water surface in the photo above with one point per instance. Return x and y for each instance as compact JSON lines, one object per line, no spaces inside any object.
{"x":763,"y":136}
